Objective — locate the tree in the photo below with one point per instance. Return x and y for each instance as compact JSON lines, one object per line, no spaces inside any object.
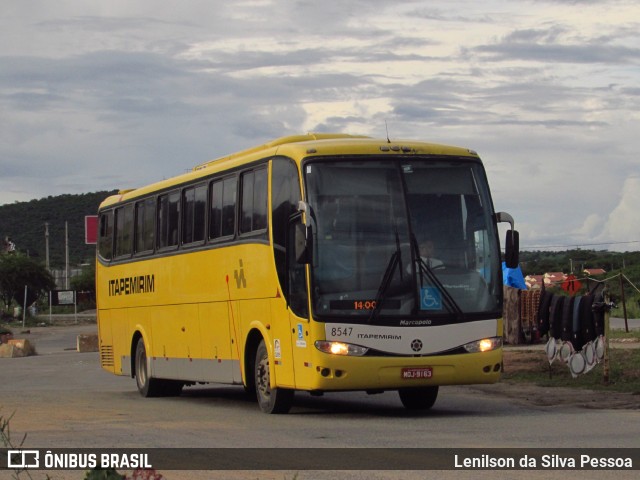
{"x":18,"y":271}
{"x":86,"y":281}
{"x":85,"y":285}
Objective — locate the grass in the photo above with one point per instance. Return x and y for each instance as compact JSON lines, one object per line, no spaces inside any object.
{"x":7,"y":442}
{"x":618,"y":334}
{"x":633,"y":308}
{"x":533,"y":367}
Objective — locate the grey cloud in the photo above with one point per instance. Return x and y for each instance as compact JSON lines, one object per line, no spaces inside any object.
{"x":578,"y":2}
{"x":106,"y":68}
{"x":147,"y":92}
{"x":535,"y":101}
{"x":109,"y":25}
{"x":631,"y":91}
{"x":30,"y":101}
{"x":304,"y":57}
{"x":607,"y":54}
{"x":557,"y":43}
{"x":529,"y":35}
{"x":340,"y":124}
{"x":442,"y":15}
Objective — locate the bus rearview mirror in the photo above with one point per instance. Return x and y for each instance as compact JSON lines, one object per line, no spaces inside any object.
{"x":302,"y":243}
{"x":512,"y":249}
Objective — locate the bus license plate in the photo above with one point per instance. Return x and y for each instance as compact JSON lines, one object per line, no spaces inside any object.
{"x":422,"y":372}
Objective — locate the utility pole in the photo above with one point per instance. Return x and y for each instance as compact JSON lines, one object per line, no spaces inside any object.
{"x":66,"y":255}
{"x":46,"y":243}
{"x":624,"y":304}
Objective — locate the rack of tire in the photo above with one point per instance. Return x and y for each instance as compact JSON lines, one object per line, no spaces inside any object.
{"x":575,"y":327}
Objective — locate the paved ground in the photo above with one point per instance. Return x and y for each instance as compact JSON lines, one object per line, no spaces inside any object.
{"x":59,"y":338}
{"x":56,"y":344}
{"x":618,"y":323}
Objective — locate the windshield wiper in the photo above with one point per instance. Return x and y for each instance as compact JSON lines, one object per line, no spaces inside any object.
{"x":425,"y":270}
{"x":394,"y":262}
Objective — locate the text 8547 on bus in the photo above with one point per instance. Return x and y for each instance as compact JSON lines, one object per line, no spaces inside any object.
{"x":317,"y":263}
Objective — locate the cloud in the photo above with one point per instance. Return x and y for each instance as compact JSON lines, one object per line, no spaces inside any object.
{"x":557,"y":42}
{"x":623,"y":223}
{"x":604,"y":54}
{"x":101,"y":96}
{"x":591,"y":229}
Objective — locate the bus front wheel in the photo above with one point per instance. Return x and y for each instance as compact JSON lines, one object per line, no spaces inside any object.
{"x":418,"y":398}
{"x":270,"y":400}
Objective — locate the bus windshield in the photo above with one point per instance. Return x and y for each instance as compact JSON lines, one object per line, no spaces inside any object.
{"x":402,"y":241}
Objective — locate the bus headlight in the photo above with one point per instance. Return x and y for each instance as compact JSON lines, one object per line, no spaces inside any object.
{"x":340,"y":348}
{"x":484,"y":345}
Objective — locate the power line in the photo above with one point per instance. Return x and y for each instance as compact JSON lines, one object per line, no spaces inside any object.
{"x":579,"y":245}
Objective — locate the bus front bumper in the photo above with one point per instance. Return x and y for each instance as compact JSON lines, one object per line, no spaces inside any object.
{"x":342,"y":373}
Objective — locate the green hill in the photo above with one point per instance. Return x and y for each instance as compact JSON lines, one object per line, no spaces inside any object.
{"x":24,"y":223}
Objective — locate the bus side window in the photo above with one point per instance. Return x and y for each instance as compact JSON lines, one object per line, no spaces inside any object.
{"x":105,"y":245}
{"x":193,"y":214}
{"x":223,"y":208}
{"x":124,"y":231}
{"x":253,"y":210}
{"x":168,"y":219}
{"x":145,"y":228}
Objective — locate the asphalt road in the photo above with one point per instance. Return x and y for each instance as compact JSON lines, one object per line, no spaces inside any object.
{"x":619,"y":323}
{"x":61,"y":398}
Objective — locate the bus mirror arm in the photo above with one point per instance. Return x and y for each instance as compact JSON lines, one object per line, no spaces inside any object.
{"x":512,"y":241}
{"x":304,"y":208}
{"x":504,"y":217}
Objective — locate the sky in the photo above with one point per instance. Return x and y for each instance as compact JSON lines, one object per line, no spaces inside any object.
{"x":115,"y":94}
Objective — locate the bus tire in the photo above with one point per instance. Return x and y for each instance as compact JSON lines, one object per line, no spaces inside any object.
{"x":270,"y":400}
{"x":147,"y":386}
{"x":418,"y":398}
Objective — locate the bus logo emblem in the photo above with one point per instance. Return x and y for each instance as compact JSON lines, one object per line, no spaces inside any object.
{"x":416,"y":345}
{"x":241,"y":282}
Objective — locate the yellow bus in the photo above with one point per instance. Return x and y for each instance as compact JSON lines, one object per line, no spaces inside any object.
{"x":317,"y":263}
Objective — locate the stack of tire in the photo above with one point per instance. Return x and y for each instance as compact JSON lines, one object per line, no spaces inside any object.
{"x":575,"y":327}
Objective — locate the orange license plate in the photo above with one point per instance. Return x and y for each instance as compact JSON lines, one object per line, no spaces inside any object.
{"x":413,"y":373}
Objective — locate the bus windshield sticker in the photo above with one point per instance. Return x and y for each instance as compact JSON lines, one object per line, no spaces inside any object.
{"x":430,"y":299}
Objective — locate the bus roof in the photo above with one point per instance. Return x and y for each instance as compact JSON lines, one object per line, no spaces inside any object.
{"x":297,"y":146}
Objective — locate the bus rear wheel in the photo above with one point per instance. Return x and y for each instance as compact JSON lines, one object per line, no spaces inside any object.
{"x":418,"y":398}
{"x":270,"y":400}
{"x":147,"y":385}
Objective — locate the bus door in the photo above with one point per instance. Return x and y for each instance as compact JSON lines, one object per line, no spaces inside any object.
{"x":301,"y":345}
{"x":299,"y":325}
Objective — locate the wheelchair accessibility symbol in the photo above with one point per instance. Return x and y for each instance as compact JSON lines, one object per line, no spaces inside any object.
{"x":430,"y":299}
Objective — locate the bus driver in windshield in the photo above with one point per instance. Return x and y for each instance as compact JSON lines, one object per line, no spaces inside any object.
{"x":427,"y":250}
